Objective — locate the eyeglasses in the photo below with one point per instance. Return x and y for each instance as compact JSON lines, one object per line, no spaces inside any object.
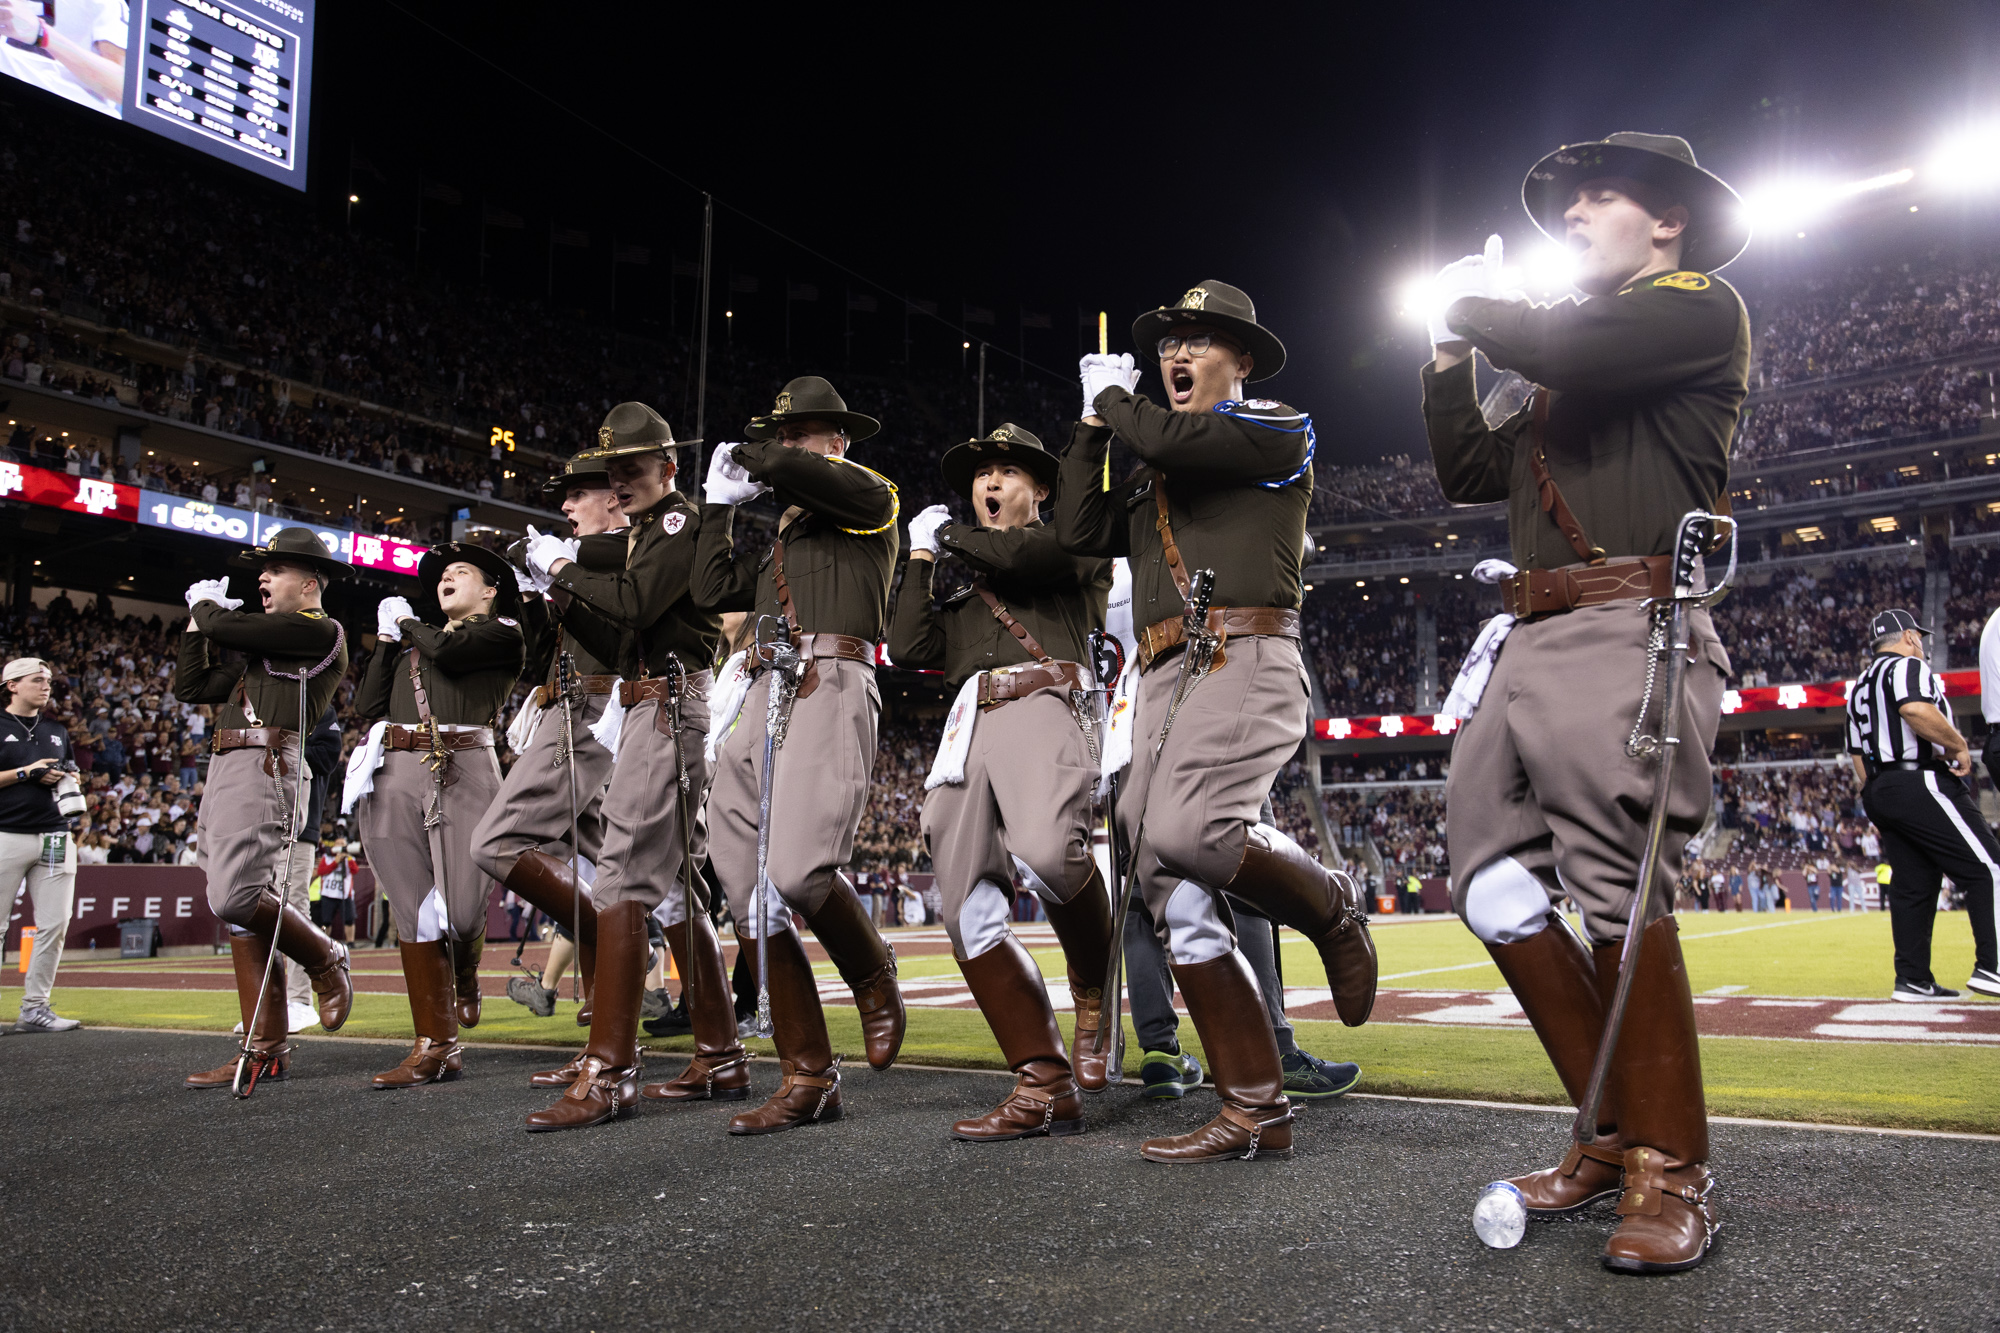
{"x":1197,"y":344}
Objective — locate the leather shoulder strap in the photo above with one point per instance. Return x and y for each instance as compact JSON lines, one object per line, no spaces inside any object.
{"x":1166,"y":531}
{"x":1006,"y":618}
{"x":417,"y":687}
{"x":784,"y":589}
{"x":1551,"y":494}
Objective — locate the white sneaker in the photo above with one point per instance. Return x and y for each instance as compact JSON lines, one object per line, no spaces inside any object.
{"x":41,"y":1018}
{"x":1984,"y":981}
{"x":299,"y":1017}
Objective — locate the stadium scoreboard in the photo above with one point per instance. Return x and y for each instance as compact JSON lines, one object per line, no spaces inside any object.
{"x":231,"y":78}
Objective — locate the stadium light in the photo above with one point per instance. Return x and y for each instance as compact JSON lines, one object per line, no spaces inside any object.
{"x":1787,"y":204}
{"x":1969,"y":159}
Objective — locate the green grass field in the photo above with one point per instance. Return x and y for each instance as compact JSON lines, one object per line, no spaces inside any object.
{"x":1880,"y":1084}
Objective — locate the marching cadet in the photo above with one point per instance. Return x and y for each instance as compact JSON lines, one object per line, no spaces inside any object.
{"x":827,"y":579}
{"x":534,"y":807}
{"x":440,"y":688}
{"x":651,"y":836}
{"x":1224,"y":485}
{"x":1018,"y":784}
{"x":1629,"y":429}
{"x":248,"y":804}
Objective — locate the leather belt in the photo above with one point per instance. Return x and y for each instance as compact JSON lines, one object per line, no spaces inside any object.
{"x":419,"y":738}
{"x":1003,"y":685}
{"x":1534,"y":593}
{"x":1875,"y":766}
{"x":1157,"y":640}
{"x":845,"y":646}
{"x":546,"y":694}
{"x":248,"y":738}
{"x":632,"y":693}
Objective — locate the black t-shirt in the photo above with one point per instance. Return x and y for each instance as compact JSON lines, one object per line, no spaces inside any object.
{"x":30,"y":807}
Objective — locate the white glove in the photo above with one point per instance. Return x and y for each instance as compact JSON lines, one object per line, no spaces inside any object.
{"x":1474,"y":275}
{"x":529,"y":583}
{"x":924,"y":528}
{"x":544,"y":549}
{"x":728,"y":480}
{"x":387,"y":612}
{"x":212,"y":590}
{"x":1105,"y":370}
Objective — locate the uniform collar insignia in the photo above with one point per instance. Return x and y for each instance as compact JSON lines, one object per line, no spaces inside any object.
{"x":476,"y":618}
{"x":315,"y":615}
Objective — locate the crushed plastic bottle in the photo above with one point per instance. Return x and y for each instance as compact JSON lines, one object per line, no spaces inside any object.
{"x":1501,"y":1216}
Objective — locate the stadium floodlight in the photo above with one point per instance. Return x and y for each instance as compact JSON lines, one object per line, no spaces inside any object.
{"x":1783,"y":205}
{"x":1969,"y":159}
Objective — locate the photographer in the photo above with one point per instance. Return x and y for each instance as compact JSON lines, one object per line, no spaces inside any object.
{"x":35,"y":841}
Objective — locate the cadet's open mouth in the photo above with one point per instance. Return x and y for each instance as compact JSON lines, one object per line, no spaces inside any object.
{"x":1182,"y":381}
{"x":993,"y":506}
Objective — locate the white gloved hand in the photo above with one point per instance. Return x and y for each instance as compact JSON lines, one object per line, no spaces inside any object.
{"x":924,"y":528}
{"x":1474,"y":275}
{"x":544,"y":549}
{"x":209,"y":590}
{"x":728,"y":480}
{"x":387,"y":612}
{"x":1104,"y":370}
{"x":529,"y":583}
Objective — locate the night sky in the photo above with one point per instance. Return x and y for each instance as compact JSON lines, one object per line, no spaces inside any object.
{"x":1079,"y":158}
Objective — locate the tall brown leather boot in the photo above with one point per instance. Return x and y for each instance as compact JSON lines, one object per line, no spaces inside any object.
{"x":314,"y":950}
{"x":1554,"y":978}
{"x":607,"y":1084}
{"x":435,"y":1056}
{"x":810,"y":1092}
{"x":1667,"y":1211}
{"x":586,"y":971}
{"x":1242,"y":1054}
{"x":720,"y":1070}
{"x":547,"y":883}
{"x":1083,"y":927}
{"x":465,"y":981}
{"x":867,"y":964}
{"x":270,"y":1056}
{"x":1327,"y":907}
{"x":1011,"y":995}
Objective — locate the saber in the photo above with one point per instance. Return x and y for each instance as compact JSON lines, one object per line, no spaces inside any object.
{"x":1196,"y":661}
{"x":676,"y":678}
{"x":775,"y":648}
{"x":1104,"y":349}
{"x":1107,"y":658}
{"x":1697,"y":529}
{"x":566,"y":684}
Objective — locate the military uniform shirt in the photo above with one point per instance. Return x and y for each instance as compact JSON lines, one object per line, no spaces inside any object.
{"x":1059,"y":598}
{"x":293,"y":641}
{"x":1238,"y":487}
{"x":840,"y":550}
{"x":468,"y":672}
{"x":1645,"y":388}
{"x":649,"y":595}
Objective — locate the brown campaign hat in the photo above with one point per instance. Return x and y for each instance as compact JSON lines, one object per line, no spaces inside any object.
{"x":1717,"y":228}
{"x":585,"y":469}
{"x":810,"y":398}
{"x":292,"y":545}
{"x":430,"y":570}
{"x":1006,"y":443}
{"x":1218,"y":306}
{"x":632,"y":428}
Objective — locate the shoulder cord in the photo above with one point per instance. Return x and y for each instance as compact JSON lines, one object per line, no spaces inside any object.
{"x":300,"y":677}
{"x":1227,"y":409}
{"x":895,"y":500}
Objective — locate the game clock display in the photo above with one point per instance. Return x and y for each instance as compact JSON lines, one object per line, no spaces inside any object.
{"x":229,"y":77}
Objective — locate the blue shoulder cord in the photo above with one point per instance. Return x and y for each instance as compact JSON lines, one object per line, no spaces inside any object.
{"x":1226,"y":408}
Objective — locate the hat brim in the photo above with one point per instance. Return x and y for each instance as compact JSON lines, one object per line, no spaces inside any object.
{"x":858,"y":426}
{"x":595,"y":479}
{"x":255,"y":557}
{"x":1717,"y":231}
{"x":962,"y":461}
{"x":605,"y":453}
{"x":430,"y":570}
{"x":1258,"y":341}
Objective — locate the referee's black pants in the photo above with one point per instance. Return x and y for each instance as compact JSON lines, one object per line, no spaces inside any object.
{"x":1931,"y":827}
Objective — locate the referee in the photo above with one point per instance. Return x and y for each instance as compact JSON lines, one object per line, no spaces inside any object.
{"x":1911,"y":762}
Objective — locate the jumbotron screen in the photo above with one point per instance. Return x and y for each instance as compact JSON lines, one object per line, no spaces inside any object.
{"x":229,"y":77}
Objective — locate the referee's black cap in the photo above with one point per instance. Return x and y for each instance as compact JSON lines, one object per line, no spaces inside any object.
{"x":1894,"y":621}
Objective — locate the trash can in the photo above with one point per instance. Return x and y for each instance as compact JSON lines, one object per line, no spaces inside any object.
{"x":138,"y":939}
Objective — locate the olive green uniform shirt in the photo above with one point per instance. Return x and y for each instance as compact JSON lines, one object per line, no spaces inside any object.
{"x":1059,"y":598}
{"x":1251,"y":534}
{"x":596,"y":645}
{"x":468,"y":672}
{"x":292,"y":641}
{"x":649,"y":595}
{"x":840,"y":550}
{"x":1645,"y":388}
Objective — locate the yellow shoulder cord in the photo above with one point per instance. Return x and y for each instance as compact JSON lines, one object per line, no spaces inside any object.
{"x":895,"y":503}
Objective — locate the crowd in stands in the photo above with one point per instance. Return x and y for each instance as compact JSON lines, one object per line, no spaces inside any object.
{"x":890,"y":838}
{"x":1930,"y":404}
{"x":1811,"y":809}
{"x":1810,"y":626}
{"x":1363,"y":648}
{"x":1869,"y":317}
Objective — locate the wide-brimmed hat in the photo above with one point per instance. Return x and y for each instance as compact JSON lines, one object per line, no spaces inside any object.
{"x":1218,"y":306}
{"x":294,"y":546}
{"x":586,"y":468}
{"x":632,"y":428}
{"x":810,"y":398}
{"x":1007,"y":443}
{"x":1717,"y":229}
{"x":430,"y":570}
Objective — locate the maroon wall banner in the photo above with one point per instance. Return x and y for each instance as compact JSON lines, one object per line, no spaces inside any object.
{"x":175,"y":896}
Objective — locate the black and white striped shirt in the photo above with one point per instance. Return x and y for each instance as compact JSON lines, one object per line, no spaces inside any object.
{"x":1876,"y":728}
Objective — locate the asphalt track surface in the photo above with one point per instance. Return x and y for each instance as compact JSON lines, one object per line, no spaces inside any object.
{"x":318,"y":1204}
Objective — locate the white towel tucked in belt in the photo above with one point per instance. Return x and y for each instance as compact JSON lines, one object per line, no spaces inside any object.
{"x":361,"y":766}
{"x":725,"y":701}
{"x":1470,"y":686}
{"x":521,"y":731}
{"x":948,"y":769}
{"x":612,"y":720}
{"x":1118,"y":732}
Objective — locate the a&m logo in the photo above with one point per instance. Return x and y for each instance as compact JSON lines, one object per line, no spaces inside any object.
{"x":96,"y":496}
